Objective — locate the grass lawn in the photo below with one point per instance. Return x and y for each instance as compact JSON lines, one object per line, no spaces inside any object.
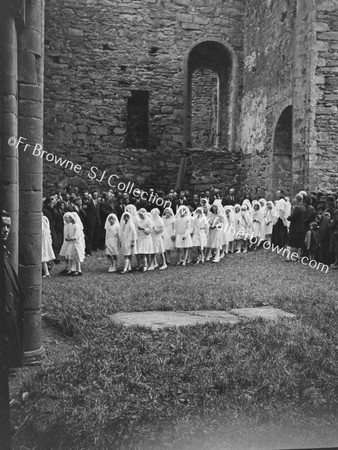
{"x":252,"y":386}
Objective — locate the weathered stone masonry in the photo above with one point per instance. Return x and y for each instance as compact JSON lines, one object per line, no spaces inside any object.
{"x":98,"y":52}
{"x":276,"y":61}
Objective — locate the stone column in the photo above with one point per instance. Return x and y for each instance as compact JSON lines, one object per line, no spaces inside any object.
{"x":30,"y":63}
{"x":9,"y":198}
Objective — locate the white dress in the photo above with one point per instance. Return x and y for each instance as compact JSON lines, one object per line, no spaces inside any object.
{"x":183,"y":229}
{"x":76,"y":248}
{"x":199,"y":237}
{"x":157,"y":236}
{"x":144,"y":241}
{"x":169,"y":231}
{"x":112,"y":239}
{"x":47,"y":248}
{"x":128,"y":235}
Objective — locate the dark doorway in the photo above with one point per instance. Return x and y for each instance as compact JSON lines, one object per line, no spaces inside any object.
{"x":282,"y":152}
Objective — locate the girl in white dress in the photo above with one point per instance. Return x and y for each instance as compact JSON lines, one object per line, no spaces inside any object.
{"x":134,"y":218}
{"x":270,"y":219}
{"x":237,"y":243}
{"x":112,"y":242}
{"x":75,"y":252}
{"x":169,"y":232}
{"x":243,"y":226}
{"x":144,"y":241}
{"x":128,"y":237}
{"x":63,"y":251}
{"x":183,"y":230}
{"x":199,"y":237}
{"x":257,"y":223}
{"x":157,"y":237}
{"x":229,"y":228}
{"x":47,"y":248}
{"x":216,"y":231}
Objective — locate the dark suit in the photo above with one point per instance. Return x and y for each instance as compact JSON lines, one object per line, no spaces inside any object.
{"x":296,"y":234}
{"x":11,"y":332}
{"x":230,"y":200}
{"x":94,"y":223}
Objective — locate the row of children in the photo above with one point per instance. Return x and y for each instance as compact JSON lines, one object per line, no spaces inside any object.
{"x":212,"y":230}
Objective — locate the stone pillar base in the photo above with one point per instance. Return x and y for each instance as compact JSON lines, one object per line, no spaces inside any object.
{"x":33,"y":358}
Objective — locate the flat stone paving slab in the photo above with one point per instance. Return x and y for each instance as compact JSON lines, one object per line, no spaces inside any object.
{"x":266,"y":312}
{"x":162,"y":319}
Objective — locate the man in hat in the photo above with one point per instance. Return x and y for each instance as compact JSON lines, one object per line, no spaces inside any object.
{"x":11,"y":327}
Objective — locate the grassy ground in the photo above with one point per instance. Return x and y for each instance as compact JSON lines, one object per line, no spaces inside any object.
{"x":257,"y":385}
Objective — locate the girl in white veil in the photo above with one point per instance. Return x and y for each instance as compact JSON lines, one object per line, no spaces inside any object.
{"x":183,"y":230}
{"x":199,"y":237}
{"x":128,"y":236}
{"x":157,"y":237}
{"x":169,"y":231}
{"x":112,"y":241}
{"x":75,"y":252}
{"x":216,"y":231}
{"x":144,"y":242}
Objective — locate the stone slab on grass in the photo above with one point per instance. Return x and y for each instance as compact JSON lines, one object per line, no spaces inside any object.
{"x":265,"y":312}
{"x":162,"y":319}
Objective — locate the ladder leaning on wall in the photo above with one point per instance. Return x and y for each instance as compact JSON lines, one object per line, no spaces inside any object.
{"x":181,"y":173}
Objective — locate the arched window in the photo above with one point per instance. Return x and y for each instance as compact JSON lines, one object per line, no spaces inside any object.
{"x":209,"y":96}
{"x":282,"y":152}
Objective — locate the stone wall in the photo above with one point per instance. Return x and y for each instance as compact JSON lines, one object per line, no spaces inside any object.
{"x":215,"y":168}
{"x":323,"y":160}
{"x":97,"y":52}
{"x":268,"y":83}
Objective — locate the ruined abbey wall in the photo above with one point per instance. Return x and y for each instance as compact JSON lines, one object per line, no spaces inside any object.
{"x":268,"y":83}
{"x":110,"y":61}
{"x":244,"y":90}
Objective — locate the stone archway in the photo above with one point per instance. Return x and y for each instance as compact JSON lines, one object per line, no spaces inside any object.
{"x":209,"y":95}
{"x":282,"y":152}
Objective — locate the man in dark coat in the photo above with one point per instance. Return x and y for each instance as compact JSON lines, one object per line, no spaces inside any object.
{"x":11,"y":327}
{"x":296,"y":234}
{"x":231,"y":199}
{"x":94,"y":220}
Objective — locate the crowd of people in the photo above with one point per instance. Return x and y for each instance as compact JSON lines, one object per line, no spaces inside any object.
{"x":197,"y":228}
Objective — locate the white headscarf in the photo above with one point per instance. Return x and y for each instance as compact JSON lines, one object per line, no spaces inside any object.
{"x":107,"y":224}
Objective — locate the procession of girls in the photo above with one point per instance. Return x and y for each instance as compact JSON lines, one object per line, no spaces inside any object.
{"x":206,"y":234}
{"x":198,"y":233}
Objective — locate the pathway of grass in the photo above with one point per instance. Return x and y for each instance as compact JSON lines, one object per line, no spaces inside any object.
{"x":212,"y":386}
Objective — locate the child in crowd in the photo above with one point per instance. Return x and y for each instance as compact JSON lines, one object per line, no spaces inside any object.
{"x":47,"y":249}
{"x":311,"y":240}
{"x":237,"y":241}
{"x":157,"y":238}
{"x":269,"y":218}
{"x":112,"y":241}
{"x":128,"y":237}
{"x":144,"y":241}
{"x":229,"y":228}
{"x":216,"y":232}
{"x":169,"y":232}
{"x":63,"y":251}
{"x":257,"y":224}
{"x":75,"y":251}
{"x":243,"y":229}
{"x":199,"y":237}
{"x":183,"y":230}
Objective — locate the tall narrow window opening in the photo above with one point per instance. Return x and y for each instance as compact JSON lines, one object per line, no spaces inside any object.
{"x":282,"y":152}
{"x":209,"y":96}
{"x":137,"y":119}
